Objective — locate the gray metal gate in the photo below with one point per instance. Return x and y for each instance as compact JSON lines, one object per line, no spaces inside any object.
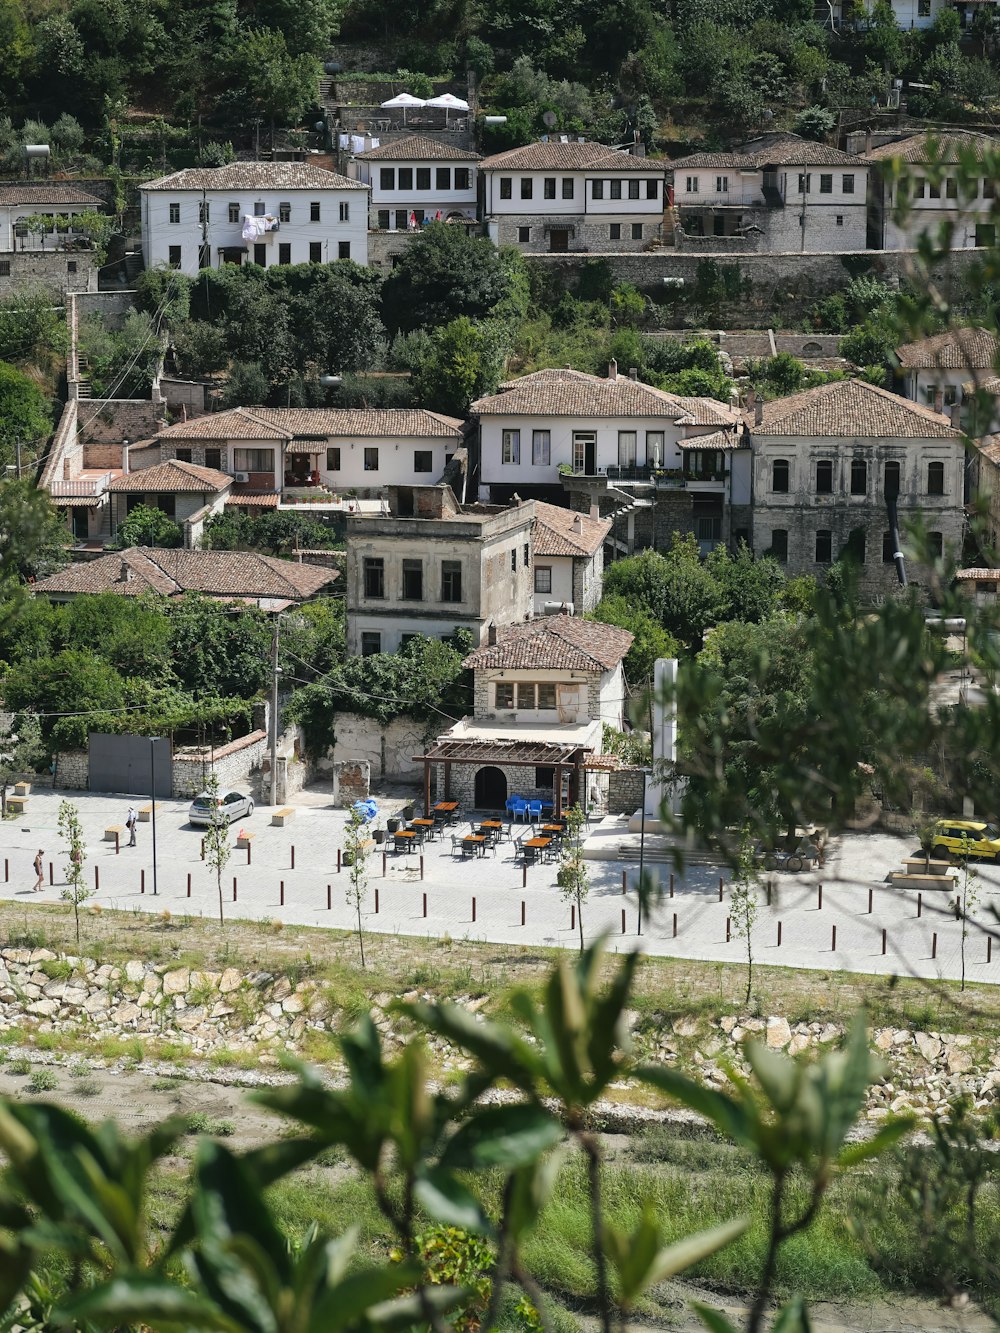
{"x":130,"y":765}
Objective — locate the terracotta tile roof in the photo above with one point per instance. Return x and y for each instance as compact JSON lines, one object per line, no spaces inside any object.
{"x":717,"y":439}
{"x":280,"y":423}
{"x":253,"y":499}
{"x":849,"y":408}
{"x":987,"y":575}
{"x":173,"y":475}
{"x":706,"y":411}
{"x":990,"y":385}
{"x":417,"y":148}
{"x":947,"y":147}
{"x":989,"y":447}
{"x":571,"y":393}
{"x":46,"y":192}
{"x":243,"y":574}
{"x":565,"y":532}
{"x":776,"y":150}
{"x":570,"y":157}
{"x":955,"y":349}
{"x":254,"y":176}
{"x":560,"y":643}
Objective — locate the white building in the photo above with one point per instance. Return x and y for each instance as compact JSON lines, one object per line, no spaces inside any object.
{"x":52,"y":199}
{"x":944,"y":369}
{"x":253,"y":213}
{"x":568,"y":559}
{"x":777,"y":193}
{"x":931,"y":196}
{"x":417,"y":178}
{"x":570,"y":197}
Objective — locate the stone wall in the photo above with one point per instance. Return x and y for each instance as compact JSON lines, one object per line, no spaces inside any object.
{"x":385,"y":246}
{"x":624,"y":791}
{"x":389,"y":750}
{"x":111,"y":306}
{"x":51,"y":269}
{"x":73,"y":770}
{"x":186,"y":395}
{"x":351,"y":782}
{"x":237,"y":764}
{"x":588,"y":234}
{"x":111,"y":420}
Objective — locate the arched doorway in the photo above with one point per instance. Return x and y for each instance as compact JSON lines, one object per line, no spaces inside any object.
{"x":491,"y":789}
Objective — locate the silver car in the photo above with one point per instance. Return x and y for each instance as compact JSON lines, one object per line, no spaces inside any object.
{"x":233,"y":805}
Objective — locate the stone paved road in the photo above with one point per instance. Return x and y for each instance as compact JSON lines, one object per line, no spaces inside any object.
{"x":855,"y":864}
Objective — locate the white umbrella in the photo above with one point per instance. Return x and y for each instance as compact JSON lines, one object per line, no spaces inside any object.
{"x":449,"y":102}
{"x":404,"y":100}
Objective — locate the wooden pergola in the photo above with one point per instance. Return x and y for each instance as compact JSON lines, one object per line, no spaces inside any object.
{"x":499,"y":753}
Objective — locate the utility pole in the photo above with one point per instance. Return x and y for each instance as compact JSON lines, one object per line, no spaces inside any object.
{"x":275,"y":672}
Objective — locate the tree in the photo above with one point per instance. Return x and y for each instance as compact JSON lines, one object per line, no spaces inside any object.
{"x":25,"y":416}
{"x":217,"y":846}
{"x":650,"y":642}
{"x":266,"y":80}
{"x":572,"y":877}
{"x":969,"y":898}
{"x":70,"y":682}
{"x":21,"y":751}
{"x":745,"y":903}
{"x":357,"y":849}
{"x":443,"y":274}
{"x":814,"y":122}
{"x":246,"y":386}
{"x":145,"y":525}
{"x":76,"y":891}
{"x":31,"y":329}
{"x":456,"y":371}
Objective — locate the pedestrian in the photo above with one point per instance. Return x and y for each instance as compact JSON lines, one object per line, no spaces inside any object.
{"x":39,"y":880}
{"x":131,"y":819}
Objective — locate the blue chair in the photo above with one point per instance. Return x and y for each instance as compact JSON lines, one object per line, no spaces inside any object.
{"x":519,"y":807}
{"x":534,"y":809}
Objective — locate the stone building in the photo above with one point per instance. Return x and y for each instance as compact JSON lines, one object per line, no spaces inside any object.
{"x":946,"y":369}
{"x":777,"y":193}
{"x":562,"y":197}
{"x":568,"y":551}
{"x":432,"y":566}
{"x":543,"y":691}
{"x":825,"y":461}
{"x":417,"y":177}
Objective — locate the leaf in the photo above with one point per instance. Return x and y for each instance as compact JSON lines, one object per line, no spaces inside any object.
{"x":531,"y":1188}
{"x":141,"y":1297}
{"x":727,"y":1115}
{"x":887,"y":1137}
{"x":448,"y":1201}
{"x":793,"y":1318}
{"x":346,"y":1302}
{"x":674,"y":1258}
{"x":505,"y":1136}
{"x":778,"y":1075}
{"x":501,"y":1052}
{"x":409,"y":1311}
{"x":714,"y":1320}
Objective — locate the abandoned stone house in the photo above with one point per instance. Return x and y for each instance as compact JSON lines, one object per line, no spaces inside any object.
{"x":567,"y":559}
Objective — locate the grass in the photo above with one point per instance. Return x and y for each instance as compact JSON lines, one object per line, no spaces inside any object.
{"x":200,"y":1123}
{"x":20,"y":1066}
{"x":43,"y":1080}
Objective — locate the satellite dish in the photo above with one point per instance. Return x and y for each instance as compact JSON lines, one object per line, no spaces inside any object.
{"x":549,"y":119}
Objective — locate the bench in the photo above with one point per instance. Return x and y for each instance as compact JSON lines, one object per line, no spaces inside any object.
{"x":919,"y":865}
{"x":145,"y":813}
{"x":903,"y":879}
{"x":17,"y":804}
{"x":245,"y":839}
{"x":113,"y":832}
{"x":279,"y":818}
{"x":22,"y":788}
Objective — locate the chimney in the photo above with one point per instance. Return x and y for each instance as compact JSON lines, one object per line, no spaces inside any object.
{"x":868,"y":139}
{"x":633,"y":373}
{"x":955,"y":412}
{"x":577,"y":522}
{"x":751,"y":398}
{"x":491,"y":634}
{"x":612,"y":370}
{"x":124,"y":574}
{"x":758,"y":412}
{"x":595,"y":511}
{"x":938,"y":400}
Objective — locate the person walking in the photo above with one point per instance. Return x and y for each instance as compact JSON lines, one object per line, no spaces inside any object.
{"x":131,"y":819}
{"x":39,"y":878}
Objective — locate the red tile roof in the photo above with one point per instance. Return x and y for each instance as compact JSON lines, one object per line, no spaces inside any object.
{"x":571,"y":393}
{"x":554,"y":156}
{"x":173,"y":475}
{"x":560,"y":643}
{"x":955,"y":349}
{"x":254,"y":176}
{"x":565,"y":532}
{"x":851,"y":408}
{"x":417,"y":148}
{"x":280,"y":423}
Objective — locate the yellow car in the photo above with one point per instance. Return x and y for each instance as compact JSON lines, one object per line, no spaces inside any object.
{"x":966,"y":837}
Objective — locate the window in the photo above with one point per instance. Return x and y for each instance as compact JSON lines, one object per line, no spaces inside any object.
{"x":5,"y":267}
{"x":543,"y":578}
{"x":314,"y":211}
{"x":204,"y":212}
{"x":989,"y":187}
{"x":182,"y":455}
{"x":549,"y":187}
{"x":374,"y":569}
{"x":779,"y":476}
{"x":234,"y":212}
{"x":930,"y":392}
{"x":333,"y":459}
{"x":950,"y":395}
{"x":423,"y":178}
{"x":951,"y":188}
{"x":651,"y":190}
{"x":804,"y":182}
{"x":510,"y":446}
{"x":654,"y":448}
{"x":451,"y":580}
{"x":933,"y":190}
{"x":174,"y":256}
{"x":859,"y":476}
{"x":986,"y":233}
{"x":523,"y":235}
{"x":541,"y":448}
{"x":924,"y":9}
{"x":888,"y":548}
{"x":568,"y":187}
{"x":616,"y":189}
{"x":935,"y":479}
{"x":855,"y":547}
{"x":847,"y":184}
{"x":345,"y":211}
{"x":633,"y":189}
{"x":597,"y":189}
{"x":637,"y":231}
{"x":826,"y":182}
{"x":343,"y":249}
{"x":402,"y":222}
{"x":890,"y":479}
{"x":935,"y":545}
{"x":423,"y":460}
{"x":824,"y":477}
{"x":406,"y":178}
{"x":546,"y":699}
{"x":824,"y":546}
{"x":614,"y":231}
{"x":284,"y":212}
{"x":506,"y":185}
{"x":175,"y":212}
{"x":371,"y":643}
{"x":442,"y":178}
{"x":525,"y":695}
{"x":259,"y":209}
{"x":71,"y":266}
{"x":722,"y":185}
{"x":463,"y":179}
{"x":779,"y":544}
{"x":919,"y":187}
{"x":840,"y":219}
{"x":315,"y":252}
{"x":260,"y":255}
{"x":691,"y":185}
{"x":213,"y":458}
{"x":526,"y":555}
{"x":527,"y":185}
{"x":254,"y":460}
{"x":413,"y":580}
{"x":371,"y":458}
{"x":626,"y":448}
{"x":513,"y":560}
{"x":504,"y":694}
{"x":284,"y":253}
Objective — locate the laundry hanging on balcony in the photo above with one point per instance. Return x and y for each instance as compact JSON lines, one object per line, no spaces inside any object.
{"x":257,"y":226}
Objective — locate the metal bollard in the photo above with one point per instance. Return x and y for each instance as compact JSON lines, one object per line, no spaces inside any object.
{"x":728,"y":928}
{"x":989,"y":948}
{"x":934,"y":945}
{"x":142,"y":882}
{"x":522,"y":911}
{"x":329,"y":897}
{"x":97,"y":879}
{"x":833,"y":939}
{"x":769,"y":893}
{"x":189,"y":886}
{"x":675,"y":925}
{"x":473,"y":909}
{"x":721,"y":887}
{"x":425,"y":904}
{"x":376,"y":902}
{"x":117,"y":845}
{"x":421,"y":867}
{"x":572,"y":916}
{"x":624,"y":883}
{"x":52,"y":878}
{"x":281,"y":894}
{"x":338,"y":860}
{"x":234,"y":888}
{"x":671,"y":883}
{"x":819,"y":897}
{"x":249,"y":852}
{"x":885,"y":939}
{"x":383,"y":864}
{"x":524,"y":876}
{"x":6,"y":870}
{"x":920,"y":904}
{"x":293,"y":855}
{"x":203,"y":849}
{"x":871,"y":899}
{"x":623,"y":920}
{"x":779,"y":934}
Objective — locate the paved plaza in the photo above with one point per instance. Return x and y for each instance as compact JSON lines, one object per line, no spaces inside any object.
{"x":483,"y":899}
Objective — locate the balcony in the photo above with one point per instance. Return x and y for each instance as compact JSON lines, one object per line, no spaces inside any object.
{"x":81,"y":487}
{"x":707,"y":480}
{"x":728,"y":199}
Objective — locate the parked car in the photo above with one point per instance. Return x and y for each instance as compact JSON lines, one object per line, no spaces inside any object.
{"x":966,"y":838}
{"x":233,"y":805}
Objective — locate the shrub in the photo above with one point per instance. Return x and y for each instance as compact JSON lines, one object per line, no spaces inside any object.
{"x":42,"y":1080}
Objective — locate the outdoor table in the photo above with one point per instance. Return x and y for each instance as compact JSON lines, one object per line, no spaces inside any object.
{"x":446,"y":807}
{"x":476,"y":841}
{"x":422,"y":823}
{"x":405,"y":836}
{"x":552,"y":828}
{"x":538,"y":843}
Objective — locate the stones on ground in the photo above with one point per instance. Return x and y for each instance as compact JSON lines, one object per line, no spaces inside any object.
{"x":685,"y":1026}
{"x":778,"y":1034}
{"x":176,"y":982}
